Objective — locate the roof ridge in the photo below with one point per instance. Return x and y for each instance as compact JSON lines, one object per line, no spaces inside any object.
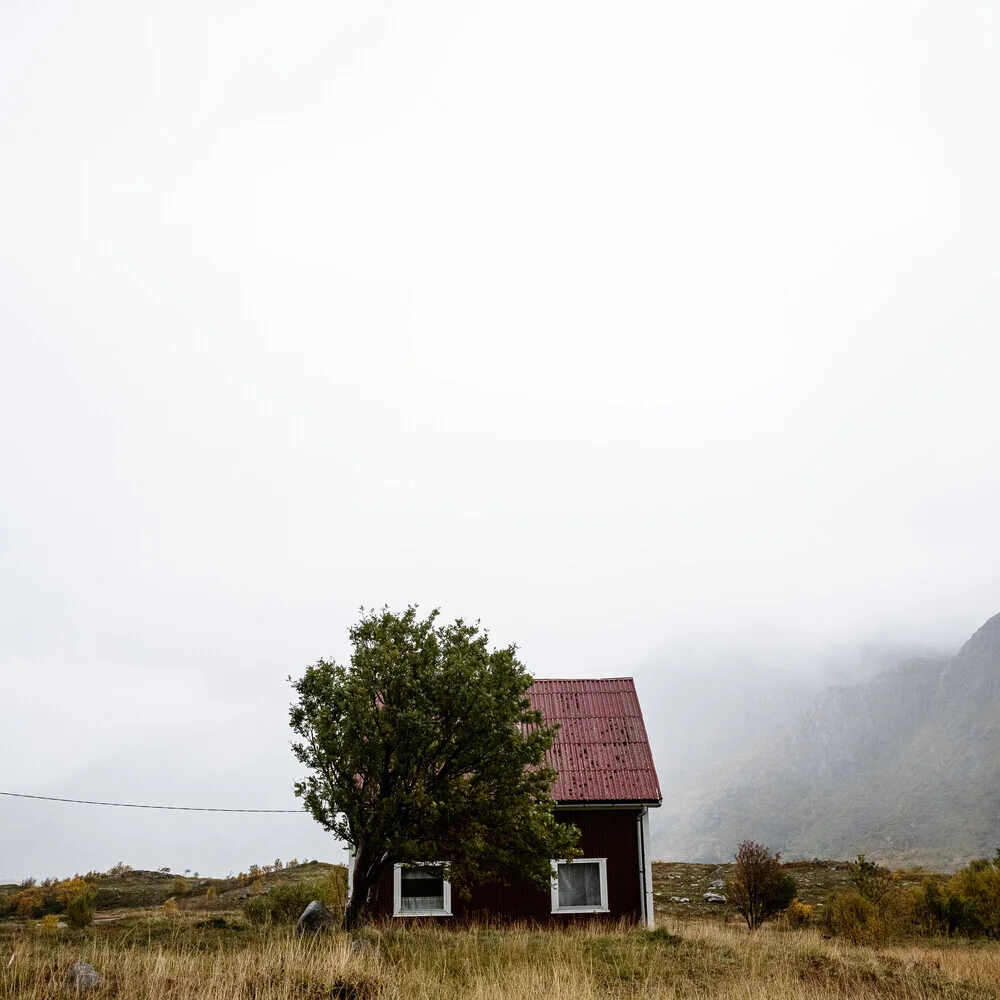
{"x":581,"y":680}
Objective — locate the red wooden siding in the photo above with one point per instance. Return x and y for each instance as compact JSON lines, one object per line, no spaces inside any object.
{"x":604,"y":833}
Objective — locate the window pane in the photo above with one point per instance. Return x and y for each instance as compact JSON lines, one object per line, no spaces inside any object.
{"x":421,"y":888}
{"x":580,"y":884}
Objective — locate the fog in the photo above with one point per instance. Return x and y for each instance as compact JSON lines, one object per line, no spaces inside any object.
{"x":660,"y":338}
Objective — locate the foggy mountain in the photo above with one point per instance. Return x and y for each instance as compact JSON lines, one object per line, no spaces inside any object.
{"x":904,"y":766}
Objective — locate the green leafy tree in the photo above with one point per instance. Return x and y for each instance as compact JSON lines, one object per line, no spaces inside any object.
{"x":873,"y":882}
{"x":758,"y":887}
{"x":426,"y":748}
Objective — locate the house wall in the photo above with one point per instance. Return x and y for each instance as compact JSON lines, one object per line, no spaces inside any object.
{"x":604,"y":833}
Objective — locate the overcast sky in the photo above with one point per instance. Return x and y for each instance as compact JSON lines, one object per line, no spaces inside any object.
{"x":658,"y":336}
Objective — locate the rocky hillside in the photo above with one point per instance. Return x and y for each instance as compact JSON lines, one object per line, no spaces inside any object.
{"x":905,"y":767}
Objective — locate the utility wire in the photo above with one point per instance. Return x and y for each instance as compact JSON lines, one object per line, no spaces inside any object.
{"x":133,"y":805}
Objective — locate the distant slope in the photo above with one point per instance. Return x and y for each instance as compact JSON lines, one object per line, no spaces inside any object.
{"x":905,"y":766}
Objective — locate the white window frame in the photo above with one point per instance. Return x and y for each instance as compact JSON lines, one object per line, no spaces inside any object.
{"x":602,"y":867}
{"x":397,"y":894}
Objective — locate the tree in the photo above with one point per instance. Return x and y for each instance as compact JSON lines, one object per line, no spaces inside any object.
{"x":873,"y":882}
{"x":426,"y":748}
{"x":758,"y":886}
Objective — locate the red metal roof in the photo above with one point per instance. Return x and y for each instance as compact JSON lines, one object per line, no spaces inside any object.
{"x":601,"y":750}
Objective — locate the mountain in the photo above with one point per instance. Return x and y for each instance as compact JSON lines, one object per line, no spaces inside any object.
{"x":904,"y":767}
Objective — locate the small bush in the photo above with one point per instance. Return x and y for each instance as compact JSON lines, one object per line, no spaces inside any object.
{"x":856,"y":918}
{"x":179,"y":886}
{"x":81,"y":908}
{"x":49,"y":924}
{"x":798,"y":914}
{"x":258,"y":910}
{"x":758,"y":886}
{"x":170,"y":908}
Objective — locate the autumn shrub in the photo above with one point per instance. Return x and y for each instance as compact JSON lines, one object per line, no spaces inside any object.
{"x":179,"y":886}
{"x":170,"y":908}
{"x":856,"y":918}
{"x":33,"y":903}
{"x":49,"y":924}
{"x":758,"y":887}
{"x":977,"y":886}
{"x":798,"y":914}
{"x":969,"y":904}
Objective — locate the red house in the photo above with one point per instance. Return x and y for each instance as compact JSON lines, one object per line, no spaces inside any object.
{"x":606,"y":786}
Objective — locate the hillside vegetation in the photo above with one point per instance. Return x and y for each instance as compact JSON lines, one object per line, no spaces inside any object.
{"x":905,"y":766}
{"x":209,"y":941}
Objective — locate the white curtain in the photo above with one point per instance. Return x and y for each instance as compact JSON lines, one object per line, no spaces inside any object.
{"x":580,"y":884}
{"x":421,"y":889}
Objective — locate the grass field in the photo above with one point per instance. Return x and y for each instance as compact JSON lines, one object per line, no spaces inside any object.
{"x":209,"y":950}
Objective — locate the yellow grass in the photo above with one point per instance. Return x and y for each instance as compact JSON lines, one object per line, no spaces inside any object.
{"x":171,"y":959}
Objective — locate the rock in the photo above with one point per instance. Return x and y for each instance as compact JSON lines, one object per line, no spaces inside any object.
{"x":718,"y":883}
{"x":83,"y":976}
{"x":315,"y":919}
{"x":713,"y":897}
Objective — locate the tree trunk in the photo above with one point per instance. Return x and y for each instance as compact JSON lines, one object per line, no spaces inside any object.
{"x":363,"y":889}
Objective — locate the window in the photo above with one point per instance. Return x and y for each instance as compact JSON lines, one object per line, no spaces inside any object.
{"x":580,"y":886}
{"x":421,"y":891}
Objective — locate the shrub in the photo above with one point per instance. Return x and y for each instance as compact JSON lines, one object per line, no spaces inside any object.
{"x":284,"y":903}
{"x":81,"y":908}
{"x":33,"y":903}
{"x":856,"y":918}
{"x":257,"y":910}
{"x":872,"y":882}
{"x":798,"y":914}
{"x":49,"y":924}
{"x":179,"y":886}
{"x":977,"y":887}
{"x":758,"y":887}
{"x":170,"y":908}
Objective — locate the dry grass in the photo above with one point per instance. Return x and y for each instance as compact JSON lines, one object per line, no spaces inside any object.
{"x":153,"y":957}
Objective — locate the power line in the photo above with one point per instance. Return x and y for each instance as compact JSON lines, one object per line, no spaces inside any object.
{"x":134,"y":805}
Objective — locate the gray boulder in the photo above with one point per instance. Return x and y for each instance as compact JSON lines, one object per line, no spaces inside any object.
{"x":83,"y":976}
{"x":714,"y":897}
{"x":315,"y":919}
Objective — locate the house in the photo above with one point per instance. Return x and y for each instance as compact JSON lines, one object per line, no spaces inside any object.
{"x":606,"y":785}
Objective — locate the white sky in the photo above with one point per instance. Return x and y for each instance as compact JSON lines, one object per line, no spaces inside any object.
{"x":627,"y":328}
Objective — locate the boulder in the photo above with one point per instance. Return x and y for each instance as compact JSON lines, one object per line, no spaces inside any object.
{"x":713,"y":897}
{"x":83,"y":976}
{"x":315,"y":919}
